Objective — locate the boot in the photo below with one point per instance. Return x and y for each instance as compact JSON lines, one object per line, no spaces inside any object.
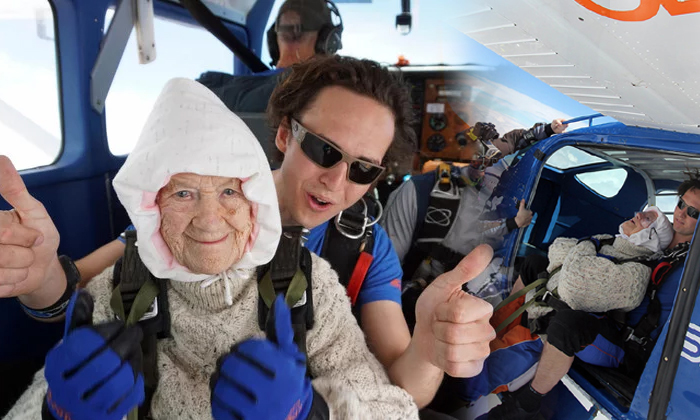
{"x":511,"y":407}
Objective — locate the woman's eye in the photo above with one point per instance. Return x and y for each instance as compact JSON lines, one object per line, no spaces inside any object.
{"x":229,"y":191}
{"x":182,"y":194}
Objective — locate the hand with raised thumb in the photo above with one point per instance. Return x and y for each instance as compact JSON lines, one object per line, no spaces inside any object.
{"x":28,"y":244}
{"x":452,"y":327}
{"x":265,"y":378}
{"x":524,"y":215}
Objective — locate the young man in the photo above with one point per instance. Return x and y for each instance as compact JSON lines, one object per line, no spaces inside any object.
{"x":337,"y":119}
{"x":578,"y":333}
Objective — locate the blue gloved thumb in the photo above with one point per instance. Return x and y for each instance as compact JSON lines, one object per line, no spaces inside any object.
{"x":79,"y":311}
{"x":279,"y":326}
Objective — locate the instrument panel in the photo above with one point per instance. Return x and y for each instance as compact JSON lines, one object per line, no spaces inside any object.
{"x":442,"y":135}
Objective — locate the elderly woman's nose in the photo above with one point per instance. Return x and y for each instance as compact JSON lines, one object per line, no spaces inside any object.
{"x":209,"y":211}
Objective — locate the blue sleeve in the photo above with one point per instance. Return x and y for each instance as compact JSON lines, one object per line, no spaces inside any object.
{"x":383,"y":280}
{"x":121,"y":236}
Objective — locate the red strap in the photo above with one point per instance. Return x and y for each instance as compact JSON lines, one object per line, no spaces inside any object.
{"x":358,"y":275}
{"x":660,"y":272}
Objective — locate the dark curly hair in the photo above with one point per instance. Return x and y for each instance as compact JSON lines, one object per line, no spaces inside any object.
{"x":692,"y":183}
{"x":300,"y":85}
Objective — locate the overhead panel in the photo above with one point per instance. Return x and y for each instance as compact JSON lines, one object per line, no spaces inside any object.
{"x":639,"y":72}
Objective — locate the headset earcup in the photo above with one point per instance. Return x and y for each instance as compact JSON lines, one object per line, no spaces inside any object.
{"x":272,"y":46}
{"x":329,"y":40}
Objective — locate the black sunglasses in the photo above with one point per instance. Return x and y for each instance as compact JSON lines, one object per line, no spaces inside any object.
{"x":692,"y":211}
{"x":326,"y":155}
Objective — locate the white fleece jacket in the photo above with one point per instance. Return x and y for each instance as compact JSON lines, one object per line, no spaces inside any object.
{"x":203,"y":327}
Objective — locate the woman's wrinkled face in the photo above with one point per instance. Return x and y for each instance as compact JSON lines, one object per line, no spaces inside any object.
{"x":206,"y":221}
{"x":640,"y":221}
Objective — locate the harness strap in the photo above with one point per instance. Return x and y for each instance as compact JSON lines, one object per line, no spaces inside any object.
{"x":135,"y":292}
{"x":521,"y":292}
{"x":540,"y":282}
{"x":350,"y":251}
{"x":289,"y":273}
{"x":295,"y":290}
{"x":358,"y":276}
{"x":520,"y":310}
{"x":640,"y":335}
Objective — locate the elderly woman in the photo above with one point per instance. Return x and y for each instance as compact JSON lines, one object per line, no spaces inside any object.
{"x":604,"y":273}
{"x":201,"y":196}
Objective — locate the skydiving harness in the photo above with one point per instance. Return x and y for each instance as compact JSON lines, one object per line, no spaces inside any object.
{"x":439,"y":197}
{"x":638,"y":338}
{"x":139,"y":297}
{"x":349,"y":244}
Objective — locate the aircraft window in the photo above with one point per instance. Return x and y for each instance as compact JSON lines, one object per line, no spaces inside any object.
{"x":30,"y":116}
{"x":570,"y":157}
{"x":182,"y":51}
{"x":606,"y":183}
{"x":666,"y":201}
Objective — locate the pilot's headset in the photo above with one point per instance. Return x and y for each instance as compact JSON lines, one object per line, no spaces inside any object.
{"x":329,"y":33}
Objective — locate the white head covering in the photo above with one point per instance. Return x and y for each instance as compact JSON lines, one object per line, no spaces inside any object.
{"x":191,"y":130}
{"x":656,"y":237}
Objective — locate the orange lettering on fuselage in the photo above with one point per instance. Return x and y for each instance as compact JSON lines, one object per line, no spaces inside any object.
{"x":646,"y":10}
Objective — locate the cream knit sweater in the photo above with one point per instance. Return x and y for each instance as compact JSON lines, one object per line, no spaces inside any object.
{"x":347,"y":375}
{"x":593,"y":283}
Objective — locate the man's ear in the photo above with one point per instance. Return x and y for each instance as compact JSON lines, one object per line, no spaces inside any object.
{"x":282,"y":136}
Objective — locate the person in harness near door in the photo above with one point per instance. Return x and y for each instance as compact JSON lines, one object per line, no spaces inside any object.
{"x":575,"y":333}
{"x":434,"y":219}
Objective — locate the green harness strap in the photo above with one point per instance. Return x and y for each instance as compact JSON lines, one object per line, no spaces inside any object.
{"x":535,"y":284}
{"x":145,"y":296}
{"x":295,"y":291}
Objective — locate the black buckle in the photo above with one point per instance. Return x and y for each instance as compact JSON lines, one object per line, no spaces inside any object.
{"x":629,"y":336}
{"x":355,"y":224}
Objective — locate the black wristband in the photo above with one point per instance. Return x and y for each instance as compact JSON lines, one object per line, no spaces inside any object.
{"x":319,"y":408}
{"x":548,"y":130}
{"x":511,"y":224}
{"x":58,"y":308}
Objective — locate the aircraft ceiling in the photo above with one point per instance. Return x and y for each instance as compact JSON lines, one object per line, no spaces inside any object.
{"x":639,"y":65}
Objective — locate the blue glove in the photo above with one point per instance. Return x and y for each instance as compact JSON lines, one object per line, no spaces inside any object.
{"x":94,"y":372}
{"x":264,"y":379}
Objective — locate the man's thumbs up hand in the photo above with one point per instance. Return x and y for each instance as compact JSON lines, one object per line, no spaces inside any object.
{"x":452,"y":327}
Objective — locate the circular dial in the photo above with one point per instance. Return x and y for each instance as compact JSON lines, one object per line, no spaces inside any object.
{"x":438,"y":121}
{"x":436,"y":142}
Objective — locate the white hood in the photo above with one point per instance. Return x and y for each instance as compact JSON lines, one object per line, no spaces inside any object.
{"x":191,"y":130}
{"x":654,"y":238}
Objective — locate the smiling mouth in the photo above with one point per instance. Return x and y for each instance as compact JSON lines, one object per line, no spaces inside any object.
{"x":217,"y":241}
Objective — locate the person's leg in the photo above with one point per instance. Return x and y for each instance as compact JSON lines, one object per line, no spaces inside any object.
{"x":530,"y":270}
{"x":568,"y":333}
{"x":553,"y":366}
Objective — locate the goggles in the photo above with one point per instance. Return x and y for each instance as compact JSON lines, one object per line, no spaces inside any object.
{"x":691,"y":212}
{"x":326,"y":155}
{"x":646,"y":218}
